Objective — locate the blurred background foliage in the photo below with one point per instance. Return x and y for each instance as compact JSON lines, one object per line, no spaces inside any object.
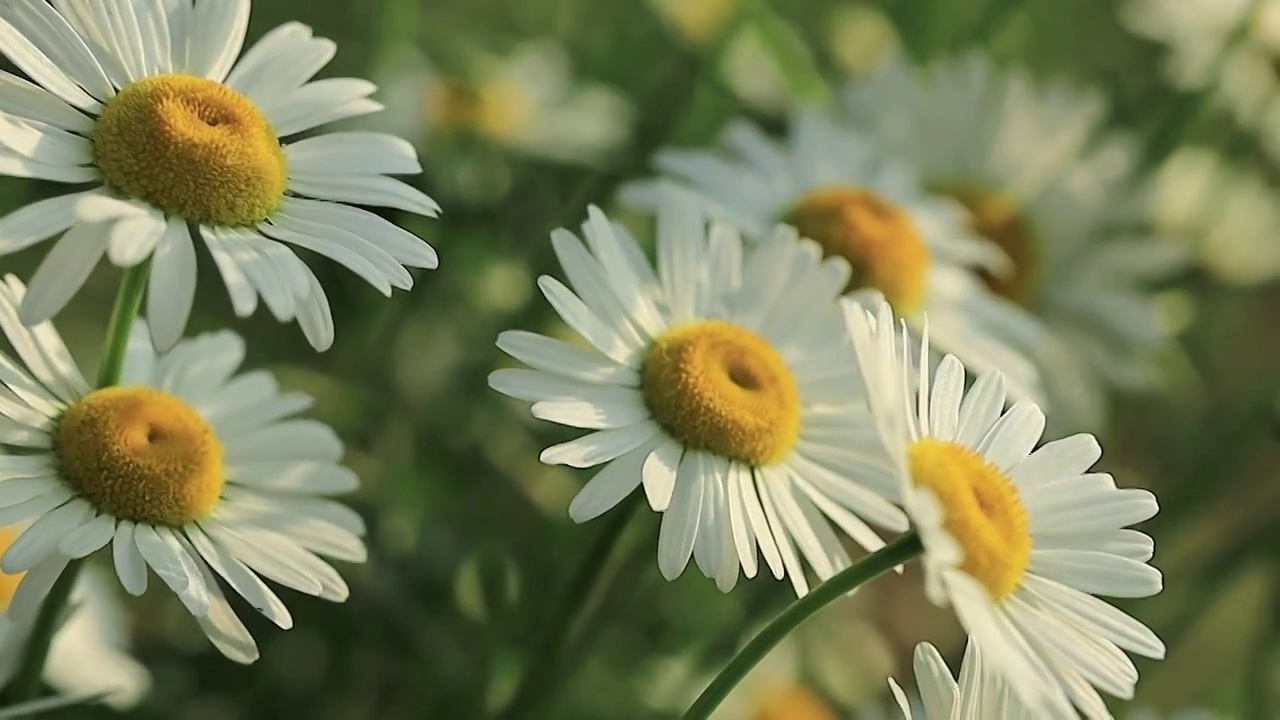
{"x":471,"y":546}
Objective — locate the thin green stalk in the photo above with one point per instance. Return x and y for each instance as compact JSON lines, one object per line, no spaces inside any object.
{"x":802,"y":77}
{"x":27,"y":682}
{"x":1185,"y":113}
{"x":542,"y":668}
{"x":878,"y":563}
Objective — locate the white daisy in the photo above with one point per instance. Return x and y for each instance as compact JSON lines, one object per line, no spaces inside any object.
{"x":529,"y":102}
{"x":1197,"y":32}
{"x":697,"y":21}
{"x":87,"y":656}
{"x":720,"y":383}
{"x":837,"y":188}
{"x":1028,"y":160}
{"x":1017,"y":542}
{"x":185,"y":468}
{"x":145,"y":100}
{"x":1229,"y":216}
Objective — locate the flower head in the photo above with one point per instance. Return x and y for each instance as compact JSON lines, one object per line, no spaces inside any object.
{"x":1029,"y":161}
{"x":186,"y":468}
{"x":837,"y":187}
{"x":148,"y":101}
{"x":721,"y":383}
{"x":1018,"y":540}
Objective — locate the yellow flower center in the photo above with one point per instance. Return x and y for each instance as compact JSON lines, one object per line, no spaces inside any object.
{"x":718,"y":387}
{"x":140,"y":454}
{"x":8,"y":583}
{"x":878,"y":239}
{"x":983,"y":511}
{"x":496,"y":110}
{"x":999,"y":220}
{"x":795,"y":702}
{"x":193,"y":148}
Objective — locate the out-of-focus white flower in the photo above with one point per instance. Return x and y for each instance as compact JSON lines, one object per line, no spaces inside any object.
{"x":862,"y":38}
{"x":697,"y":21}
{"x":1197,"y":32}
{"x":1228,"y":215}
{"x":527,"y":101}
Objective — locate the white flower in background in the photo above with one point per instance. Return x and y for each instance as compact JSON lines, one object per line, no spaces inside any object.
{"x":185,"y":468}
{"x":697,"y":21}
{"x":1021,"y":156}
{"x":1197,"y":32}
{"x":1228,"y":216}
{"x":721,"y":383}
{"x":837,"y":188}
{"x":862,"y":38}
{"x":528,"y":102}
{"x":1017,"y":543}
{"x":88,"y":654}
{"x":146,"y":100}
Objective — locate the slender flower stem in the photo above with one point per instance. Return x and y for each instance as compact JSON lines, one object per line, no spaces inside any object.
{"x":27,"y":682}
{"x":542,"y":669}
{"x":992,"y":22}
{"x":879,"y":562}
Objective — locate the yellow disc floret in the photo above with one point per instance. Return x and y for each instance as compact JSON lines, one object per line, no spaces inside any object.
{"x":983,"y":511}
{"x":193,"y":148}
{"x":879,"y":239}
{"x":794,"y":702}
{"x":8,"y":583}
{"x":140,"y":454}
{"x":998,"y":219}
{"x":719,"y":387}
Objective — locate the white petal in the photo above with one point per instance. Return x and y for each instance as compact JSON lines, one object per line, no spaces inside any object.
{"x":217,"y":34}
{"x":609,"y":487}
{"x":25,"y":99}
{"x":241,"y":578}
{"x":603,"y":446}
{"x":172,"y":285}
{"x":353,"y":153}
{"x":375,"y":190}
{"x":59,"y":41}
{"x":130,"y":566}
{"x":63,"y":271}
{"x":980,"y":409}
{"x":32,"y":223}
{"x":131,"y":240}
{"x":42,"y":537}
{"x":89,"y":537}
{"x":659,"y":473}
{"x":557,"y":356}
{"x":1013,"y":436}
{"x":1097,"y":573}
{"x":680,"y":521}
{"x":40,"y":68}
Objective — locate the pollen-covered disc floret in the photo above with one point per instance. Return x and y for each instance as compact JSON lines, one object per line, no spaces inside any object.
{"x":193,"y":148}
{"x":982,"y":510}
{"x":188,"y":469}
{"x":1018,"y":539}
{"x":140,"y":454}
{"x":178,"y":139}
{"x":719,"y":380}
{"x":912,"y":246}
{"x":719,"y":387}
{"x":880,"y":241}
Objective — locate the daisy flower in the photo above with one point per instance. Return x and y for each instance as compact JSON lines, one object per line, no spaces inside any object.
{"x":1021,"y":156}
{"x":1197,"y":32}
{"x":720,"y":383}
{"x":528,"y":102}
{"x":87,"y":655}
{"x":979,"y":694}
{"x":1227,"y":215}
{"x":185,"y":468}
{"x":838,"y":189}
{"x":146,"y":101}
{"x":1017,"y":542}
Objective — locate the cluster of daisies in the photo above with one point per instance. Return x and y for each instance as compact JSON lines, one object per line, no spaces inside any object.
{"x":850,"y":331}
{"x":176,"y":463}
{"x":846,"y":332}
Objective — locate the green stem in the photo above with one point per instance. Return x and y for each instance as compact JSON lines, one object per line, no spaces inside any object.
{"x":542,"y":669}
{"x":901,"y":550}
{"x":27,"y":682}
{"x":794,"y":61}
{"x":128,"y":301}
